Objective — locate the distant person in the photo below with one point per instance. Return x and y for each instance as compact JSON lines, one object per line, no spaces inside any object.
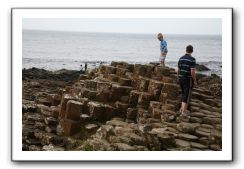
{"x":163,"y":49}
{"x":81,"y":67}
{"x":85,"y":67}
{"x":187,"y":78}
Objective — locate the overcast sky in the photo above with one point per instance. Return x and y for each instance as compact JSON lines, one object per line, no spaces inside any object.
{"x":149,"y":26}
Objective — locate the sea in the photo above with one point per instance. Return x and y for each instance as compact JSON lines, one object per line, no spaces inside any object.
{"x":54,"y":50}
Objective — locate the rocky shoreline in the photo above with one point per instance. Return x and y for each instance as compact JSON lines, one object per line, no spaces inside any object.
{"x":118,"y":107}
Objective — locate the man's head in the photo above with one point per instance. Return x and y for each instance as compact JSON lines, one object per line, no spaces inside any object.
{"x":189,"y":49}
{"x":160,"y":36}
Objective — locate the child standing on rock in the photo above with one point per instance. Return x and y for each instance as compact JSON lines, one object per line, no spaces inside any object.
{"x":163,"y":49}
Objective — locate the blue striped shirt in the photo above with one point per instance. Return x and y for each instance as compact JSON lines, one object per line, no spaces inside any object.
{"x":185,"y":64}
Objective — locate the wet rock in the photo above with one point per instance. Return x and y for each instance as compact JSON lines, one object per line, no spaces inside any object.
{"x":200,"y":67}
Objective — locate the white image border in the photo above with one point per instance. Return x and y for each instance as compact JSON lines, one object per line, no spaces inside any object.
{"x":225,"y":155}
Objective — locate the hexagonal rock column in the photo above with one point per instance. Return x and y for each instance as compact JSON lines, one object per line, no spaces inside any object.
{"x":117,"y":91}
{"x":70,"y":127}
{"x":54,"y":99}
{"x":74,"y":110}
{"x":97,"y":111}
{"x":65,"y":99}
{"x":143,"y":70}
{"x":142,"y":84}
{"x":133,"y":98}
{"x":171,"y":89}
{"x":155,"y":87}
{"x":162,"y":71}
{"x":144,"y":99}
{"x":121,"y":71}
{"x":154,"y":104}
{"x":131,"y":114}
{"x":105,"y":69}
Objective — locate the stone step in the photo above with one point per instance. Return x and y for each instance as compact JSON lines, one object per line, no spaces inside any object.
{"x":201,"y":91}
{"x":188,"y":137}
{"x":74,"y":109}
{"x":121,"y":72}
{"x":171,"y":89}
{"x":144,"y":99}
{"x":124,"y":81}
{"x":142,"y":83}
{"x":200,"y":96}
{"x":143,"y":70}
{"x":106,"y":69}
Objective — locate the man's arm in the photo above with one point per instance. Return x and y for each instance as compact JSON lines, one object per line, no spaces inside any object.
{"x":193,"y":72}
{"x":193,"y":75}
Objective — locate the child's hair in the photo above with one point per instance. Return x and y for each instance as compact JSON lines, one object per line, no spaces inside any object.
{"x":160,"y":36}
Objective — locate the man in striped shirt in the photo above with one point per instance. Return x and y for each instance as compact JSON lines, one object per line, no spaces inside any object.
{"x":187,"y":77}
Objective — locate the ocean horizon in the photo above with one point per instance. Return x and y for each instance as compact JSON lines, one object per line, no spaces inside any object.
{"x":53,"y":50}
